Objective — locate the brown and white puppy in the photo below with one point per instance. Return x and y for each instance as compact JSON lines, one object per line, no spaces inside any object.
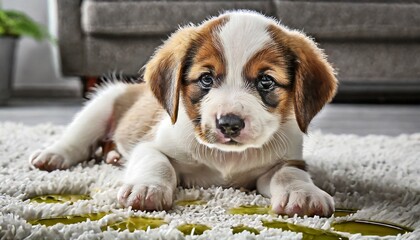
{"x":224,"y":103}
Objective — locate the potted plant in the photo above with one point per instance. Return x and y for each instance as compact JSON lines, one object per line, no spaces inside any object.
{"x":13,"y":25}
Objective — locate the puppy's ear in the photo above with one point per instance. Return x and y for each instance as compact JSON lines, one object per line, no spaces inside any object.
{"x":314,"y":78}
{"x":163,"y":71}
{"x":315,"y":82}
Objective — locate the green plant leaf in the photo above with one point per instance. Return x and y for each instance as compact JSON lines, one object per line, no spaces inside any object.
{"x":15,"y":23}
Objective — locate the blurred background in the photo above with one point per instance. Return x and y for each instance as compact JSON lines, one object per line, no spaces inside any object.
{"x":36,"y":69}
{"x":46,"y":71}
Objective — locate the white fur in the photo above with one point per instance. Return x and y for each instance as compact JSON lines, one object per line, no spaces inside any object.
{"x":241,"y":37}
{"x":292,"y":191}
{"x":149,"y":180}
{"x":260,"y":125}
{"x":86,"y":129}
{"x":174,"y":156}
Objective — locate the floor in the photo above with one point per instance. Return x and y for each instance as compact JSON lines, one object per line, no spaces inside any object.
{"x":357,"y":119}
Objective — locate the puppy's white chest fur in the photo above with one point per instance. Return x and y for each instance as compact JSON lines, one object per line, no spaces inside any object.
{"x":199,"y":165}
{"x":219,"y":173}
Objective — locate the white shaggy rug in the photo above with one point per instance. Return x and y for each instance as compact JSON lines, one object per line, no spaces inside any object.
{"x":379,"y":175}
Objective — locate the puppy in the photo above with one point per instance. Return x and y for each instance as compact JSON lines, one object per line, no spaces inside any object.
{"x":225,"y":103}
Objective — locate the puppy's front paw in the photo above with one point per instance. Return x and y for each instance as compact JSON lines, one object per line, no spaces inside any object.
{"x":146,"y":197}
{"x":303,"y":199}
{"x":51,"y":159}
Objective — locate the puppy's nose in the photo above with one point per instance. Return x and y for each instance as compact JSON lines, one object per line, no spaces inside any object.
{"x":230,"y":125}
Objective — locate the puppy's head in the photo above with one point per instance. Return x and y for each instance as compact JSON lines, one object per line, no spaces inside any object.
{"x":240,"y":76}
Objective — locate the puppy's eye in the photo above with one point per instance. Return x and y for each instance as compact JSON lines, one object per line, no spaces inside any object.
{"x":265,"y":83}
{"x":206,"y":81}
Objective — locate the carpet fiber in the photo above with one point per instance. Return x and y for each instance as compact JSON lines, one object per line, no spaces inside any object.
{"x":378,"y":175}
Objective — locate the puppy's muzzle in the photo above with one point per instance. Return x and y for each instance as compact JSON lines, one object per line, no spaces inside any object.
{"x":230,"y":125}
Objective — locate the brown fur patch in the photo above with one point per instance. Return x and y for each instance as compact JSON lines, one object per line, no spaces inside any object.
{"x":138,"y":122}
{"x":121,"y":105}
{"x":274,"y":60}
{"x":204,"y":56}
{"x":126,"y":100}
{"x":163,"y":71}
{"x":270,"y":60}
{"x":286,"y":105}
{"x":315,"y":83}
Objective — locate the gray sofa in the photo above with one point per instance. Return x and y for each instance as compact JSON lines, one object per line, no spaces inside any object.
{"x":374,"y":44}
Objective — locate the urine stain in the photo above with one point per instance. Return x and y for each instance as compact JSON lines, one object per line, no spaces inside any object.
{"x":250,"y":210}
{"x":255,"y":209}
{"x":67,"y":220}
{"x":307,"y":232}
{"x":59,"y":198}
{"x":190,"y":202}
{"x":135,"y":223}
{"x":365,"y":227}
{"x":241,"y":228}
{"x":343,"y":212}
{"x":193,"y":229}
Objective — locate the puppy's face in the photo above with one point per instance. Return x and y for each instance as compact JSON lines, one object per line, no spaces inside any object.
{"x":240,"y":77}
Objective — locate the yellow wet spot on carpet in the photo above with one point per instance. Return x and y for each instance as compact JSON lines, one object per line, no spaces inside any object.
{"x":373,"y":228}
{"x":193,"y":229}
{"x":307,"y":232}
{"x":250,"y":210}
{"x":72,"y":219}
{"x":59,"y":198}
{"x":190,"y":202}
{"x":135,"y":223}
{"x":241,"y":228}
{"x":342,"y":212}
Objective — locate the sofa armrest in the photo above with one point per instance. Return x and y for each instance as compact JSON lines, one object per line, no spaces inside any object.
{"x":70,"y":37}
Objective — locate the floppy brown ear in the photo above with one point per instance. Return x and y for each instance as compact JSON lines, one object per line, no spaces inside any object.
{"x":163,"y":71}
{"x":315,"y":82}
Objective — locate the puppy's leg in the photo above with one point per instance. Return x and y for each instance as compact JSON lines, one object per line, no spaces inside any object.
{"x":149,"y":181}
{"x":292,"y":191}
{"x":88,"y":127}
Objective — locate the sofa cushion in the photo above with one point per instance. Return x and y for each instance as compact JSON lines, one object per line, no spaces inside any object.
{"x":142,"y":17}
{"x":352,"y":20}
